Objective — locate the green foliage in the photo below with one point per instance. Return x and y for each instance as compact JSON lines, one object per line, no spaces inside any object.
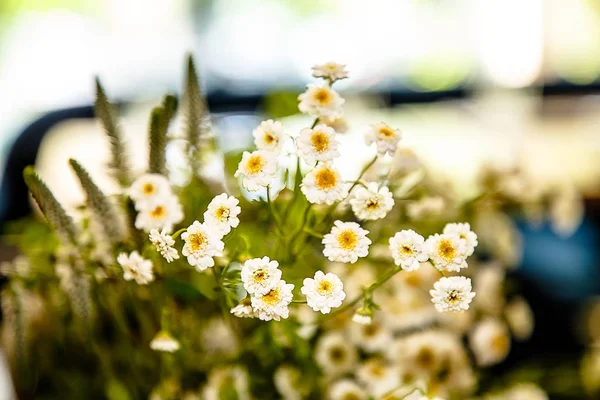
{"x":50,"y":207}
{"x":105,"y":113}
{"x":159,"y":123}
{"x":100,"y":204}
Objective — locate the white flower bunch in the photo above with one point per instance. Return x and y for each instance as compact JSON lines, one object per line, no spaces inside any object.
{"x":158,"y":207}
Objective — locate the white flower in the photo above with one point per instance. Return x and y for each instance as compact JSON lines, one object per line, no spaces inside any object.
{"x":244,"y":309}
{"x":448,"y":252}
{"x":331,"y":71}
{"x":363,"y":316}
{"x":163,"y":341}
{"x":372,"y":203}
{"x":385,"y":138}
{"x":463,"y":230}
{"x":162,"y":213}
{"x":324,"y":292}
{"x":324,"y":184}
{"x":273,"y":305}
{"x":525,"y":391}
{"x":334,"y":354}
{"x":148,"y":188}
{"x":378,"y":376}
{"x":136,"y":267}
{"x":519,"y":317}
{"x":288,"y":381}
{"x":222,"y":213}
{"x":260,"y":275}
{"x":269,"y":136}
{"x":490,"y":342}
{"x":201,"y":245}
{"x":257,"y":169}
{"x":318,"y":144}
{"x":321,"y":101}
{"x":164,"y":244}
{"x":452,"y":294}
{"x":371,"y":338}
{"x":408,"y":249}
{"x":346,"y":242}
{"x":345,"y":389}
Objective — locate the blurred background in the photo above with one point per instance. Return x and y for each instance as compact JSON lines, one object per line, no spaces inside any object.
{"x":509,"y":83}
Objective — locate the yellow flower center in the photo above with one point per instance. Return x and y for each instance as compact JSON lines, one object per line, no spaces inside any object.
{"x":148,"y":189}
{"x":319,"y":141}
{"x":337,"y":354}
{"x":453,"y":296}
{"x":378,"y":369}
{"x":347,"y":239}
{"x":196,"y":241}
{"x":406,"y":250}
{"x":351,"y":396}
{"x":372,"y":204}
{"x":158,"y":212}
{"x":500,"y":343}
{"x":260,"y":275}
{"x":222,"y":213}
{"x":324,"y":287}
{"x":325,"y":179}
{"x":387,"y":132}
{"x":446,"y":250}
{"x":322,"y":96}
{"x":269,"y":138}
{"x":370,"y":330}
{"x":425,"y":358}
{"x":272,"y":298}
{"x":255,"y":164}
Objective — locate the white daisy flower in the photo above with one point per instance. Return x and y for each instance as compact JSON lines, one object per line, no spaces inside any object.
{"x":162,"y":213}
{"x":448,"y":252}
{"x":244,"y":309}
{"x":378,"y":376}
{"x":318,"y":144}
{"x":346,"y":242}
{"x":222,"y":213}
{"x":257,"y":169}
{"x":324,"y":292}
{"x":385,"y":138}
{"x":372,"y":338}
{"x":136,"y":267}
{"x":408,"y":249}
{"x":452,"y":294}
{"x":371,"y":202}
{"x":334,"y":354}
{"x":331,"y":71}
{"x":163,"y":341}
{"x":260,"y":275}
{"x":273,"y":305}
{"x":346,"y":389}
{"x":164,"y":244}
{"x":201,"y":245}
{"x":148,"y":188}
{"x":463,"y":230}
{"x":321,"y":101}
{"x":269,"y":136}
{"x":324,"y":184}
{"x":490,"y":342}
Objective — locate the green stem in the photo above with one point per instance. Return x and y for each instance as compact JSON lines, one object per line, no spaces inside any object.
{"x":299,"y":301}
{"x":179,"y":232}
{"x":436,"y":268}
{"x":274,"y":212}
{"x":313,"y":233}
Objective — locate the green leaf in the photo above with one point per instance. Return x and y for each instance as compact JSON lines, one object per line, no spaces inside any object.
{"x":105,"y":113}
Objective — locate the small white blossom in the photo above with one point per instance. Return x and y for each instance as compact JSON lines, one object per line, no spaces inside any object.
{"x":324,"y":292}
{"x":324,"y":184}
{"x":373,"y":337}
{"x":164,"y":244}
{"x":318,"y":144}
{"x":163,"y":341}
{"x":448,"y":252}
{"x":244,"y":309}
{"x":346,"y":242}
{"x":269,"y":136}
{"x":452,"y":294}
{"x":222,"y":213}
{"x":201,"y":245}
{"x":162,"y":213}
{"x":378,"y":376}
{"x":260,"y":275}
{"x":148,"y":188}
{"x":490,"y":342}
{"x":463,"y":231}
{"x":273,"y":305}
{"x":519,"y":318}
{"x":257,"y":169}
{"x":385,"y":138}
{"x":136,"y":267}
{"x":331,"y":71}
{"x":335,"y":354}
{"x":363,"y":316}
{"x":372,"y":202}
{"x":321,"y":101}
{"x":408,"y":249}
{"x":345,"y":389}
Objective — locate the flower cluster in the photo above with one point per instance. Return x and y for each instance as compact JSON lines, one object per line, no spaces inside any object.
{"x":157,"y":205}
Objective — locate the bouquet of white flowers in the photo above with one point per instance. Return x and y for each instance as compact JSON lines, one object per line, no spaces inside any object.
{"x":287,"y":279}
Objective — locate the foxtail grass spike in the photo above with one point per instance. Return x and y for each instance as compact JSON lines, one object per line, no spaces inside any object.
{"x":159,"y":124}
{"x":50,"y":207}
{"x":195,"y":110}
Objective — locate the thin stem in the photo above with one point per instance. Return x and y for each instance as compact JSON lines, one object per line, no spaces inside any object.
{"x":179,"y":232}
{"x":273,"y":211}
{"x":362,"y":172}
{"x":299,"y":301}
{"x":313,"y":233}
{"x":314,"y":123}
{"x":437,"y":269}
